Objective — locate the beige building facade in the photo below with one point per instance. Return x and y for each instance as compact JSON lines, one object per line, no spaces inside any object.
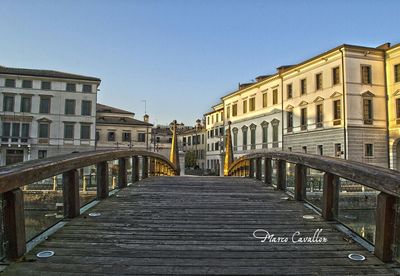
{"x":215,"y":134}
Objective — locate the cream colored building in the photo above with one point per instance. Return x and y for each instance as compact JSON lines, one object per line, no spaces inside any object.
{"x":45,"y":113}
{"x":193,"y":141}
{"x":393,"y":92}
{"x":117,"y":128}
{"x":332,"y":104}
{"x":215,"y":134}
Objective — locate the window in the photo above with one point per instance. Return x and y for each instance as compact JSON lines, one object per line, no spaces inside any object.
{"x":244,"y":140}
{"x":320,"y":150}
{"x":208,"y":147}
{"x":184,"y":141}
{"x":6,"y":132}
{"x":228,"y":112}
{"x":335,"y":76}
{"x":252,"y":104}
{"x":87,"y":88}
{"x":253,"y":136}
{"x":8,"y":103}
{"x":202,"y":139}
{"x":275,"y":135}
{"x":46,"y":85}
{"x":85,"y":131}
{"x":142,"y":137}
{"x":26,"y":84}
{"x":216,"y":147}
{"x":289,"y":115}
{"x":303,"y":119}
{"x":289,"y":90}
{"x":15,"y":132}
{"x":212,"y":119}
{"x":68,"y":131}
{"x":25,"y":130}
{"x":126,"y":136}
{"x":365,"y":74}
{"x":264,"y":135}
{"x":69,"y":107}
{"x":42,"y":154}
{"x":319,"y":116}
{"x":25,"y":104}
{"x":338,"y":150}
{"x":367,"y":111}
{"x":71,"y":87}
{"x":44,"y":130}
{"x":398,"y":108}
{"x":304,"y":148}
{"x":216,"y":117}
{"x":97,"y":135}
{"x":397,"y":73}
{"x":318,"y":81}
{"x":216,"y":132}
{"x":212,"y":133}
{"x":234,"y":109}
{"x":221,"y":131}
{"x":244,"y":106}
{"x":111,"y":136}
{"x":265,"y":100}
{"x":235,"y":139}
{"x":275,"y":96}
{"x":290,"y":149}
{"x":86,"y":108}
{"x":208,"y":120}
{"x":337,"y":115}
{"x":44,"y":106}
{"x":303,"y":86}
{"x":10,"y":83}
{"x":369,"y":150}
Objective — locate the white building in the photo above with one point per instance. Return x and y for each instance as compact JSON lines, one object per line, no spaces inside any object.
{"x":215,"y":138}
{"x":45,"y":113}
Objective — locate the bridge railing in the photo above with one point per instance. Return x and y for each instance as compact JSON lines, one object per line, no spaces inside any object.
{"x":73,"y":179}
{"x":334,"y":173}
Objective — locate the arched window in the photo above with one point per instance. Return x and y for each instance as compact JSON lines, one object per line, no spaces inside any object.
{"x":244,"y":137}
{"x":275,"y":133}
{"x":253,"y":136}
{"x":235,"y":138}
{"x":264,"y":127}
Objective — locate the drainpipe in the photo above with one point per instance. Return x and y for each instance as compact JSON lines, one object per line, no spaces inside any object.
{"x":387,"y":112}
{"x":344,"y":107}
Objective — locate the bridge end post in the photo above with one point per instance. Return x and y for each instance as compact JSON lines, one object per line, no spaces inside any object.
{"x":122,"y":176}
{"x":300,"y":182}
{"x":145,"y":167}
{"x":135,"y":169}
{"x":268,"y":171}
{"x":330,"y":196}
{"x":70,"y":181}
{"x":281,"y":175}
{"x":258,"y":168}
{"x":14,"y":223}
{"x":102,"y":180}
{"x":385,"y":221}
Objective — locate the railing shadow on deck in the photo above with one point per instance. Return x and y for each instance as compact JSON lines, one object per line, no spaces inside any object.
{"x":385,"y":182}
{"x":69,"y":169}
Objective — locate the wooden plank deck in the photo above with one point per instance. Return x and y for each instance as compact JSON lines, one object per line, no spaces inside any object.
{"x":196,"y":225}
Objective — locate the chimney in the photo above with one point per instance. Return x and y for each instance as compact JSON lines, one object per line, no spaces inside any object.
{"x":146,"y":118}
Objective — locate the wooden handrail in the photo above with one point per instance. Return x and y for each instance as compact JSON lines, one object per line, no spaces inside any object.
{"x":386,"y":181}
{"x":18,"y":175}
{"x":378,"y":178}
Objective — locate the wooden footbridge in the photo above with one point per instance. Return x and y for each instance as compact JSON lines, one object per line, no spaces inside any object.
{"x":164,"y":224}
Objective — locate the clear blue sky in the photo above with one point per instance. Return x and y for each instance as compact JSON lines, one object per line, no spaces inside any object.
{"x":182,"y":55}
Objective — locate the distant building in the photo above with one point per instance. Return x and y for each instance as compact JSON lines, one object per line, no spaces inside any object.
{"x":45,"y":113}
{"x":215,"y":135}
{"x":117,"y":128}
{"x":192,"y":142}
{"x":161,"y":138}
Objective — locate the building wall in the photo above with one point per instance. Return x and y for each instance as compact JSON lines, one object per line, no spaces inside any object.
{"x":215,"y":138}
{"x":103,"y":131}
{"x":56,"y":144}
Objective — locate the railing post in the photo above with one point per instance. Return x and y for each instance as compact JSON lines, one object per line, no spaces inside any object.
{"x":122,"y":176}
{"x":152,"y":167}
{"x":281,"y":175}
{"x":102,"y":180}
{"x":145,"y":167}
{"x":300,"y":174}
{"x":385,"y":220}
{"x":135,"y":169}
{"x":14,"y":223}
{"x":330,"y":196}
{"x":268,"y":171}
{"x":70,"y":181}
{"x":258,"y":168}
{"x":251,"y":168}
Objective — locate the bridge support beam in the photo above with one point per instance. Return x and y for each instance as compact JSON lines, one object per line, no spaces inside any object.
{"x":385,"y":221}
{"x":135,"y":169}
{"x":102,"y":180}
{"x":258,"y":168}
{"x":14,"y":223}
{"x":122,"y":176}
{"x":70,"y":181}
{"x":330,"y":196}
{"x":281,"y":174}
{"x":145,"y":167}
{"x":268,"y":171}
{"x":300,"y":175}
{"x":251,"y":168}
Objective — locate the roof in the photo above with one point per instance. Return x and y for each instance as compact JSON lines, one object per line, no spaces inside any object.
{"x":44,"y":73}
{"x":112,"y":120}
{"x":109,"y":109}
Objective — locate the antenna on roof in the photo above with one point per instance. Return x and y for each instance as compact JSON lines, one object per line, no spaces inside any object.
{"x":145,"y":106}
